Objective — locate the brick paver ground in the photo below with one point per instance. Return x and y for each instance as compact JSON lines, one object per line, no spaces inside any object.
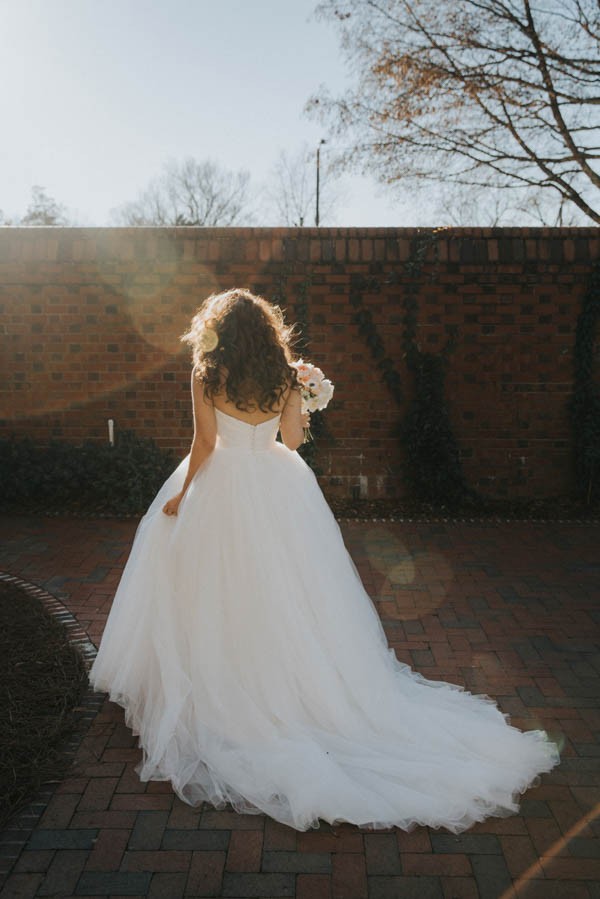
{"x":506,"y":608}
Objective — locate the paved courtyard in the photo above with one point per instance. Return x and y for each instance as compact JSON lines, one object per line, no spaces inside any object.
{"x":511,"y":609}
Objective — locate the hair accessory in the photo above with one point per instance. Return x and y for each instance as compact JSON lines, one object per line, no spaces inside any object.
{"x":208,"y":340}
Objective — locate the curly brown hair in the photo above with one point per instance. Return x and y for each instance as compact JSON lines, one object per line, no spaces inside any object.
{"x":240,"y":341}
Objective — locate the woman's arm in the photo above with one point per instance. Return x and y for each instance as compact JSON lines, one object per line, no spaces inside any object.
{"x":293,"y":420}
{"x":205,"y":431}
{"x":203,"y":443}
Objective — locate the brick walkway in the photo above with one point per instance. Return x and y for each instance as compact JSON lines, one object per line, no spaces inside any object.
{"x":509,"y":609}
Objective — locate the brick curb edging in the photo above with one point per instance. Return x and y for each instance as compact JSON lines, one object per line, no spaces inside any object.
{"x":345,"y":519}
{"x":20,"y":827}
{"x":454,"y":520}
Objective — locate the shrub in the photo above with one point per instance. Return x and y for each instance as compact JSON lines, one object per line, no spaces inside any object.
{"x":91,"y":477}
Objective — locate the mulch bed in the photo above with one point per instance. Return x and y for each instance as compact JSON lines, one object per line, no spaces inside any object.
{"x":42,"y":679}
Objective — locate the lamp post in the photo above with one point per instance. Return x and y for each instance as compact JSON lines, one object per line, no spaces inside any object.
{"x":322,"y":141}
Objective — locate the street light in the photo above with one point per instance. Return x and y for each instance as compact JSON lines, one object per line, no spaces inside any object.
{"x":322,"y":141}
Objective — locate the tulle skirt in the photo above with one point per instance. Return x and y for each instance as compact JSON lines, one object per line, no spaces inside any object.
{"x":254,"y":667}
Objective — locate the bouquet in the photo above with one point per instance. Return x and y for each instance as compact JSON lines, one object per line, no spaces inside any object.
{"x":315,"y":389}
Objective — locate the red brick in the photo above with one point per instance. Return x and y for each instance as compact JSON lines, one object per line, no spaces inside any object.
{"x":226,"y":820}
{"x":98,"y":794}
{"x":568,"y":815}
{"x":245,"y":850}
{"x":279,"y":836}
{"x":64,"y":872}
{"x":165,"y":860}
{"x":131,"y":801}
{"x":22,"y":886}
{"x":122,"y":755}
{"x":184,"y":816}
{"x":313,"y":886}
{"x":32,"y":860}
{"x":206,"y":873}
{"x":450,"y":864}
{"x":461,"y":888}
{"x":104,"y":819}
{"x":72,"y":785}
{"x":344,"y":838}
{"x":108,"y":850}
{"x":353,"y":249}
{"x":381,"y":853}
{"x":416,"y":840}
{"x":548,"y":889}
{"x":571,"y":868}
{"x":130,"y":782}
{"x":349,"y":876}
{"x":59,"y":811}
{"x":159,"y":786}
{"x":544,"y":833}
{"x":520,"y":855}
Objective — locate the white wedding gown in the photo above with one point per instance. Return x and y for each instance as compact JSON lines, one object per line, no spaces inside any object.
{"x":253,"y":665}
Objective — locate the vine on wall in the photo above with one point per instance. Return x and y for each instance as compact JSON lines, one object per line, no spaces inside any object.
{"x":584,"y":406}
{"x":431,"y":453}
{"x":367,"y":328}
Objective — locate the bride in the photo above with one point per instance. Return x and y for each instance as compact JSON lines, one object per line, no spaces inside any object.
{"x":244,"y":649}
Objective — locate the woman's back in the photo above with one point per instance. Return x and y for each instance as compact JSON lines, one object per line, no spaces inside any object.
{"x":254,"y":415}
{"x":287,"y":408}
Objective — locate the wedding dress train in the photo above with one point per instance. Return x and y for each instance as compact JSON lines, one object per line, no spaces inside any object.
{"x":254,"y":668}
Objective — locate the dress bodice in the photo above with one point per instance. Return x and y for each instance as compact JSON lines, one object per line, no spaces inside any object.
{"x":233,"y":433}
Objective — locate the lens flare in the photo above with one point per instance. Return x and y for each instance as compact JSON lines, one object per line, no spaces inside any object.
{"x":418,"y":580}
{"x":122,"y":326}
{"x":520,"y":887}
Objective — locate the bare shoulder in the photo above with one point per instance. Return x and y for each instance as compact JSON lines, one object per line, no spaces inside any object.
{"x":204,"y":413}
{"x":199,"y":389}
{"x":197,"y":384}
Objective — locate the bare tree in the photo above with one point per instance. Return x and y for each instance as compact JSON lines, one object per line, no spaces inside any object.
{"x":489,"y":93}
{"x":494,"y":207}
{"x":562,"y":213}
{"x":190,"y":192}
{"x":42,"y":210}
{"x":291,"y":191}
{"x":472,"y":206}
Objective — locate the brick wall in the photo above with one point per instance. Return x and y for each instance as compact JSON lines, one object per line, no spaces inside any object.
{"x":91,"y":319}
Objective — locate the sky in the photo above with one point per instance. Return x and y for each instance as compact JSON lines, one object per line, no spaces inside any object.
{"x":98,"y":94}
